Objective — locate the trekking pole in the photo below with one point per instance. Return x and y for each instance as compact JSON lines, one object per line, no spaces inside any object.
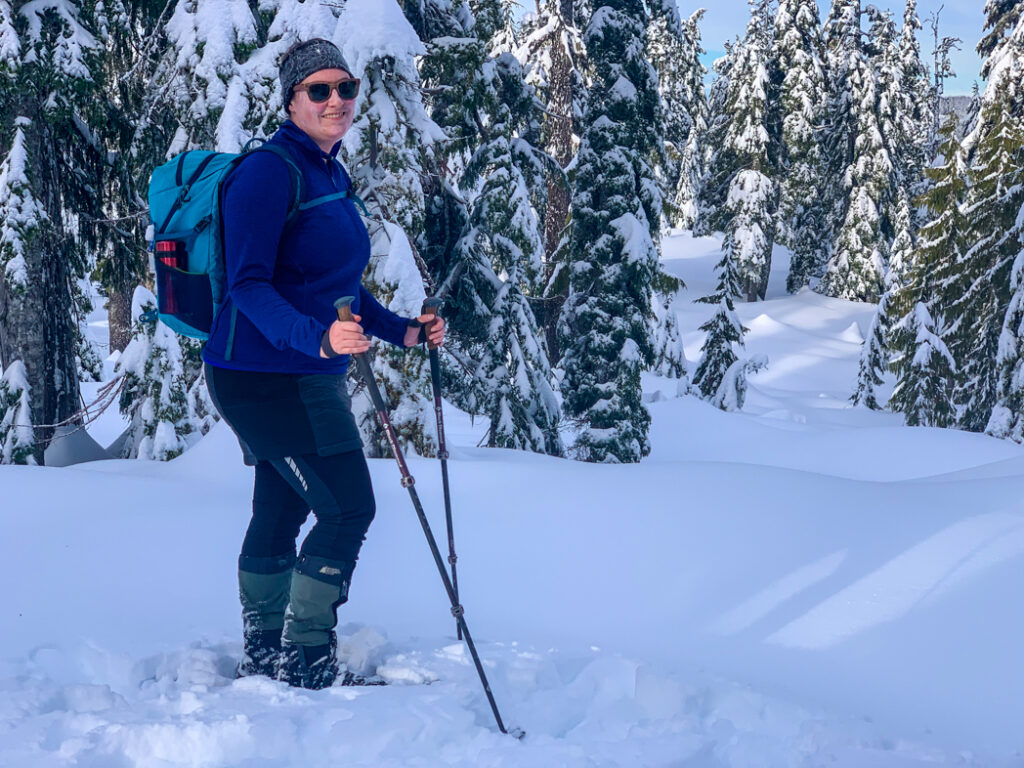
{"x":430,"y":307}
{"x":343,"y":305}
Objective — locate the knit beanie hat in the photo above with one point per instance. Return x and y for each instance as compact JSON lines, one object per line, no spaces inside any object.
{"x":303,"y":59}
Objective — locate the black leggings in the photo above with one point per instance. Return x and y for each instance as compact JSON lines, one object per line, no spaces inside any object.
{"x":336,"y":488}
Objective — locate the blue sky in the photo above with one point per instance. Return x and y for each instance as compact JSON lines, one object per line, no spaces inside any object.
{"x":725,"y":19}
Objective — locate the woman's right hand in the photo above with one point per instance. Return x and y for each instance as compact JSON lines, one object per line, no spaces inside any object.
{"x":347,"y":337}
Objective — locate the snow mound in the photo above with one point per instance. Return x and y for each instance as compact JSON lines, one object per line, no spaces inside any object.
{"x":852,"y":334}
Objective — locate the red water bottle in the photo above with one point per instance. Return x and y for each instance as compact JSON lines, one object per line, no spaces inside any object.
{"x":170,"y":253}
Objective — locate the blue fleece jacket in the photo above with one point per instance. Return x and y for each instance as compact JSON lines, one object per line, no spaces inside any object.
{"x":284,"y":282}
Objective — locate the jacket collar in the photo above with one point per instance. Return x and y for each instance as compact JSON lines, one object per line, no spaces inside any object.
{"x":292,"y":132}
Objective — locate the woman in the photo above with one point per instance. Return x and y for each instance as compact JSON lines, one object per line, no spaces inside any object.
{"x":276,"y":363}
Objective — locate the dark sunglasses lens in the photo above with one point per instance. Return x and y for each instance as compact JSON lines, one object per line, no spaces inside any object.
{"x":348,"y":89}
{"x":319,"y":92}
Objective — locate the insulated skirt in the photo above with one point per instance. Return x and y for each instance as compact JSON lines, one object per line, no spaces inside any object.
{"x":281,"y":414}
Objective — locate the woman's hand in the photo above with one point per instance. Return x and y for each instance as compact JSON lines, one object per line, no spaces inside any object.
{"x":435,"y":326}
{"x":347,"y":338}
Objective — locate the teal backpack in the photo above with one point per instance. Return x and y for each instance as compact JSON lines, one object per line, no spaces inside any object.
{"x":187,"y":242}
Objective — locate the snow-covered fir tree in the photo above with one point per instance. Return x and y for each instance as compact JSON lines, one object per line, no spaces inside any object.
{"x":929,"y":277}
{"x":1002,"y":18}
{"x":669,"y":357}
{"x":495,"y":22}
{"x":717,"y":166}
{"x":749,"y":149}
{"x":857,"y":264}
{"x":554,"y":61}
{"x":153,"y":396}
{"x":874,"y":358}
{"x":17,"y":443}
{"x":222,"y":68}
{"x":390,"y":146}
{"x":917,"y":105}
{"x":514,"y":373}
{"x":926,"y":372}
{"x":685,"y":207}
{"x":720,"y":375}
{"x":136,"y":130}
{"x":402,"y":374}
{"x":667,"y":51}
{"x":606,"y":329}
{"x":981,"y":289}
{"x":1007,"y":418}
{"x":798,"y":54}
{"x":49,"y":170}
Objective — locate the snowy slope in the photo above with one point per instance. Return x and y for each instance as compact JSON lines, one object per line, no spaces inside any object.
{"x":802,"y":584}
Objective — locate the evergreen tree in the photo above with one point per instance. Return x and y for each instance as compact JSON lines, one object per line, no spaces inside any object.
{"x":394,"y":278}
{"x":858,"y":261}
{"x":504,"y":247}
{"x":494,"y":21}
{"x":606,"y":329}
{"x":666,"y":50}
{"x":47,"y":180}
{"x":926,"y":372}
{"x":751,"y":201}
{"x":718,"y":164}
{"x":202,"y":413}
{"x":981,"y":288}
{"x":17,"y":443}
{"x":1001,"y":20}
{"x":554,"y":59}
{"x":389,"y":148}
{"x":916,"y":104}
{"x":941,"y":242}
{"x":720,"y":376}
{"x":135,"y":124}
{"x":924,"y":290}
{"x":154,"y":393}
{"x":798,"y":53}
{"x":874,"y":359}
{"x":669,"y":357}
{"x":691,"y":154}
{"x":1007,"y":419}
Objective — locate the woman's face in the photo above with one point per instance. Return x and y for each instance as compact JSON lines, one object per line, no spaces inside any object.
{"x":327,"y":121}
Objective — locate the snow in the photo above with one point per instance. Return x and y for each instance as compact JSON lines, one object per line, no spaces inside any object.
{"x":801,"y":583}
{"x":375,"y":29}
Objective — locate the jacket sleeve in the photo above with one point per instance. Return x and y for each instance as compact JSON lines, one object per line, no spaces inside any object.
{"x":255,"y":206}
{"x":379,"y":321}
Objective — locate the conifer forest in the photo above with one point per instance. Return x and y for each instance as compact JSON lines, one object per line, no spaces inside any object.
{"x":525,"y":168}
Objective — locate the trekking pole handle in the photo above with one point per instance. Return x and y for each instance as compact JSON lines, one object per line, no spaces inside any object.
{"x":344,"y":307}
{"x":430,"y":307}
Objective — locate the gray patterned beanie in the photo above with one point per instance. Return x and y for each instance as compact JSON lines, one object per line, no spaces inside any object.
{"x":303,"y":59}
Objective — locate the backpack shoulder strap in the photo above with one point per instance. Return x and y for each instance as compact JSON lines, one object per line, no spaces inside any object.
{"x":294,"y":172}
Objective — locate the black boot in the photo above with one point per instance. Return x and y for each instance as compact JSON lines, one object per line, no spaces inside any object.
{"x":309,"y":666}
{"x":261,"y":653}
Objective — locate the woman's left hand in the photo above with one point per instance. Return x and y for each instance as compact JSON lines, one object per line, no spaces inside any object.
{"x":435,"y":327}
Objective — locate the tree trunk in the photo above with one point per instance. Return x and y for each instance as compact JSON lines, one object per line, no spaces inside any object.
{"x":119,"y":319}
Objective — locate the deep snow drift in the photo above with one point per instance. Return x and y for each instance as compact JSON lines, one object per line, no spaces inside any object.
{"x":801,"y":584}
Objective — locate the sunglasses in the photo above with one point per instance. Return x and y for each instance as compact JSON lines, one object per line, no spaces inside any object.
{"x":318,"y":93}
